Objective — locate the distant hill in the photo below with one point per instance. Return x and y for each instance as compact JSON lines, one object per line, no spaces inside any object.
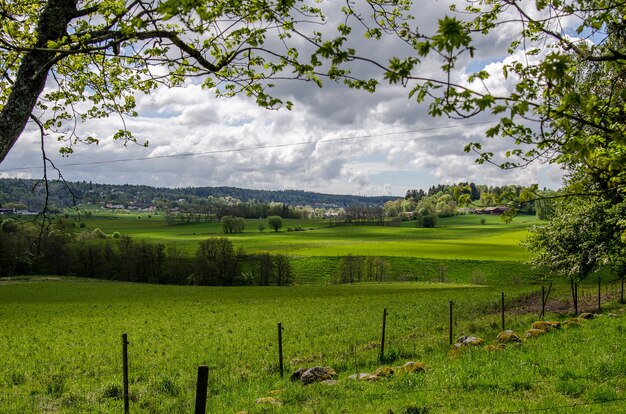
{"x":32,"y":194}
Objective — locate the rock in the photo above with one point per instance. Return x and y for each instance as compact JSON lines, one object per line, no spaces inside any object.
{"x":533,"y":333}
{"x":504,"y":337}
{"x":384,"y":372}
{"x":469,"y":341}
{"x":415,"y":367}
{"x":573,"y":322}
{"x":268,"y":400}
{"x":546,"y":325}
{"x":317,"y":374}
{"x":496,"y":347}
{"x":359,"y":377}
{"x":297,"y":374}
{"x":330,"y":382}
{"x":372,"y":378}
{"x":586,"y":315}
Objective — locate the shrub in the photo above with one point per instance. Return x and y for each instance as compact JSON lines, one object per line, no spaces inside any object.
{"x":98,"y":234}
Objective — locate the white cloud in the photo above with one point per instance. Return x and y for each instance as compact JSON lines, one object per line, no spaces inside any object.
{"x":191,"y":120}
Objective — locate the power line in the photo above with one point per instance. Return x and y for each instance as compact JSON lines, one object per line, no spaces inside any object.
{"x":254,"y":148}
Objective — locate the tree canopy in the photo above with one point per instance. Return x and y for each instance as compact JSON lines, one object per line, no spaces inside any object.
{"x":67,"y":61}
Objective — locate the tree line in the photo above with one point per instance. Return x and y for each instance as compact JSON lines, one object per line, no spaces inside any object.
{"x":26,"y":248}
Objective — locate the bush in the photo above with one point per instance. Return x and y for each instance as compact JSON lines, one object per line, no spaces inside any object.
{"x":98,"y":234}
{"x":429,"y":221}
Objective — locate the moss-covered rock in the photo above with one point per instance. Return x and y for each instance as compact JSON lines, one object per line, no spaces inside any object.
{"x":546,"y":325}
{"x":317,"y":374}
{"x":384,"y":372}
{"x":574,"y":322}
{"x":414,"y":366}
{"x":533,"y":333}
{"x":508,"y":336}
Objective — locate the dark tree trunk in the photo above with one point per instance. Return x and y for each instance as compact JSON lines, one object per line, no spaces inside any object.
{"x":33,"y":72}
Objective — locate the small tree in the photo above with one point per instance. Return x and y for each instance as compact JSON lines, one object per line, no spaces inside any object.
{"x":275,"y":222}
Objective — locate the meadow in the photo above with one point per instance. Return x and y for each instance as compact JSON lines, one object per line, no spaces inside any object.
{"x":460,"y":237}
{"x":61,"y":347}
{"x":61,"y":337}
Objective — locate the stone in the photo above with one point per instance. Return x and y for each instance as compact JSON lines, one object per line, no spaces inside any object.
{"x":546,"y":325}
{"x":329,"y":382}
{"x":413,"y":366}
{"x":317,"y":374}
{"x":533,"y":333}
{"x":297,"y":374}
{"x":469,"y":341}
{"x":505,"y":337}
{"x":573,"y":322}
{"x":359,"y":377}
{"x":384,"y":372}
{"x":586,"y":315}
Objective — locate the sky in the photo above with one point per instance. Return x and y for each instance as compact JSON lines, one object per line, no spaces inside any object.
{"x":334,"y":140}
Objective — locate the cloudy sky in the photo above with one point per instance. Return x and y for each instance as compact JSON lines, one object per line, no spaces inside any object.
{"x":334,"y":140}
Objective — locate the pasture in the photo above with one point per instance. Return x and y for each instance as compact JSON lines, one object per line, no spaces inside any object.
{"x":460,"y":237}
{"x":61,"y":343}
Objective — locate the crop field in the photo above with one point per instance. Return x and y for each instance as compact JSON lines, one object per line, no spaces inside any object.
{"x":61,"y":349}
{"x":460,"y":237}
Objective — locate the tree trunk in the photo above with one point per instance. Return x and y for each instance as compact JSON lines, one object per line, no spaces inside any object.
{"x":33,"y":72}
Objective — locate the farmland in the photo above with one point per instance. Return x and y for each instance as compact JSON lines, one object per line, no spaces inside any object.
{"x":62,"y":336}
{"x":461,"y":237}
{"x":62,"y":348}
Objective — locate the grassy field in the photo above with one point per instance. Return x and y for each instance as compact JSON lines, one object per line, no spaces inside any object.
{"x":460,"y":237}
{"x":62,"y":351}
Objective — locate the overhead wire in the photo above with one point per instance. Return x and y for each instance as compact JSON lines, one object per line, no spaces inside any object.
{"x":253,"y":148}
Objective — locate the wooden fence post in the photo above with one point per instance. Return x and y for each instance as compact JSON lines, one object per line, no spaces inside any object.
{"x":451,"y":304}
{"x":599,"y":294}
{"x":201,"y":389}
{"x":382,"y":337}
{"x":503,"y":327}
{"x":125,"y":395}
{"x":280,"y":350}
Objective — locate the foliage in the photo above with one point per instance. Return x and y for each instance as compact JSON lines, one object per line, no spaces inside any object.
{"x":581,"y":237}
{"x":232,"y":224}
{"x":217,"y":263}
{"x":95,"y":56}
{"x":274,"y":222}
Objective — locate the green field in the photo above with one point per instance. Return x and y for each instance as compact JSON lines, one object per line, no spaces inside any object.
{"x":61,"y":345}
{"x":460,"y":237}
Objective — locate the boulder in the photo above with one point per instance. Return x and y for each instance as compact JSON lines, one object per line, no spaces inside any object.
{"x":505,"y":337}
{"x":317,"y":374}
{"x":573,"y":322}
{"x":412,"y":366}
{"x":546,"y":325}
{"x":467,"y":341}
{"x":384,"y":372}
{"x":533,"y":333}
{"x":297,"y":374}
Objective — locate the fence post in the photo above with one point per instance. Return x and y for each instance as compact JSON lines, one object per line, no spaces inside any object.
{"x":125,"y":395}
{"x":543,"y":301}
{"x":576,"y":298}
{"x":599,"y":294}
{"x":503,"y":327}
{"x":451,"y":304}
{"x":382,"y":337}
{"x":201,"y":389}
{"x":280,"y":350}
